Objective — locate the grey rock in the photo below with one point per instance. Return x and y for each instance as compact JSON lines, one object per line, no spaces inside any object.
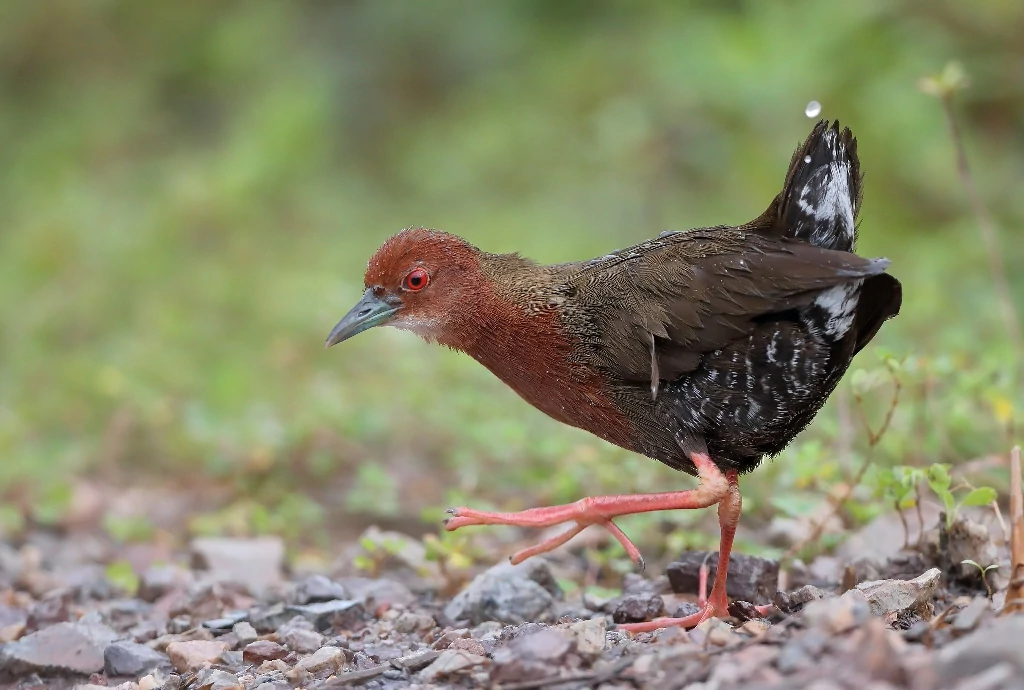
{"x":267,"y":619}
{"x":317,"y":588}
{"x":450,"y":661}
{"x":889,"y":596}
{"x":62,"y":648}
{"x":244,"y":632}
{"x":125,"y":658}
{"x":990,"y":646}
{"x":750,"y":578}
{"x":226,"y":622}
{"x":255,"y":563}
{"x":217,"y":679}
{"x":636,"y":608}
{"x":344,"y":614}
{"x":410,"y":622}
{"x":376,"y":591}
{"x":970,"y":616}
{"x":507,"y":593}
{"x":838,"y":614}
{"x":303,"y":641}
{"x":791,"y":602}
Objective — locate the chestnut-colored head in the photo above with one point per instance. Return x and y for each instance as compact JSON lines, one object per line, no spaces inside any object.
{"x":419,"y":280}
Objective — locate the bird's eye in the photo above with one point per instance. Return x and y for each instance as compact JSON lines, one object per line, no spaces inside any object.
{"x":416,"y":280}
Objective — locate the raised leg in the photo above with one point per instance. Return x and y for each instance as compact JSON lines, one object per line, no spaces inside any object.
{"x":599,"y":510}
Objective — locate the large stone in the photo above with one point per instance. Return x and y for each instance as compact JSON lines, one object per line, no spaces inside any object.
{"x":751,"y":578}
{"x":316,"y":588}
{"x":344,"y":614}
{"x":125,"y":658}
{"x":507,"y":593}
{"x":254,"y":563}
{"x":62,"y":648}
{"x":889,"y":596}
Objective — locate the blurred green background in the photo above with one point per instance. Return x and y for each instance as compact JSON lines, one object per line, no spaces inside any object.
{"x":190,"y":191}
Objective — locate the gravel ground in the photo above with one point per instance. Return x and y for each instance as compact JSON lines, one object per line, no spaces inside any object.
{"x":231,"y":615}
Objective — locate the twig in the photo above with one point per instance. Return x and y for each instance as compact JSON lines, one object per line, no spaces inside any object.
{"x":1015,"y":590}
{"x":986,"y":226}
{"x":873,"y":439}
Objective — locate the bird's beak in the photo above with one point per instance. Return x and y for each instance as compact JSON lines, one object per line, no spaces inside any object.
{"x":370,"y":311}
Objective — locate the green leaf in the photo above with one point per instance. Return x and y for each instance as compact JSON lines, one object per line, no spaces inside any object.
{"x":938,"y":479}
{"x":981,"y":496}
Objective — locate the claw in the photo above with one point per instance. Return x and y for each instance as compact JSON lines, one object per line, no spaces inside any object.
{"x":452,"y":511}
{"x":641,"y":566}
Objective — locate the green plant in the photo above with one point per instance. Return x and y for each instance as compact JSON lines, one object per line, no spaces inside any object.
{"x":940,"y":482}
{"x":984,"y":572}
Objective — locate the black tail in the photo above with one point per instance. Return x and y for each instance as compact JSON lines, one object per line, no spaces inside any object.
{"x":821,"y":198}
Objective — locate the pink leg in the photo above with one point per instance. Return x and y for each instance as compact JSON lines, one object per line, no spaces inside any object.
{"x":599,"y":510}
{"x":717,"y":606}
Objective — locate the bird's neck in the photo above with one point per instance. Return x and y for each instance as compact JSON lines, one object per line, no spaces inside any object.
{"x":515,"y":329}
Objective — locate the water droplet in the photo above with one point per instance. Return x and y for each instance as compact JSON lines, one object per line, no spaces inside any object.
{"x":813,"y":109}
{"x":807,"y":159}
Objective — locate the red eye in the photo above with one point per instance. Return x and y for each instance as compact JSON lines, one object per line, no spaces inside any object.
{"x":416,"y":280}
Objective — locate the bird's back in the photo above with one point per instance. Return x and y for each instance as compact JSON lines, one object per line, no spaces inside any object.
{"x":730,"y":339}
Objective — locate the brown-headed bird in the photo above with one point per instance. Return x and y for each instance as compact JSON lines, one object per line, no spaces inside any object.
{"x":708,"y":350}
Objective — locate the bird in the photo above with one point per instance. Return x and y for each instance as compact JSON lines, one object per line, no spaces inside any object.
{"x":708,"y":350}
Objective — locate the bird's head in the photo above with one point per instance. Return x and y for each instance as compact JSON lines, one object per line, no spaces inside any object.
{"x":419,"y":280}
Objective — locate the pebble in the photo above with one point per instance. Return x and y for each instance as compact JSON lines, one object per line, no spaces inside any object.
{"x":126,"y":658}
{"x":409,"y":622}
{"x":637,"y":608}
{"x":188,"y":656}
{"x":970,"y":616}
{"x":590,"y":635}
{"x":451,"y":661}
{"x":217,"y":679}
{"x":344,"y":614}
{"x":993,"y":645}
{"x":263,"y":650}
{"x":316,"y":588}
{"x":507,"y":593}
{"x":839,"y":614}
{"x":244,"y":632}
{"x":303,"y":641}
{"x":324,"y":658}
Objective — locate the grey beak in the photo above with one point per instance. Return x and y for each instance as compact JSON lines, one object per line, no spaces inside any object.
{"x":370,"y":311}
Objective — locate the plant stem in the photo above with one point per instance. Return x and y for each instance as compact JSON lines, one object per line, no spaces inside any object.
{"x":986,"y":228}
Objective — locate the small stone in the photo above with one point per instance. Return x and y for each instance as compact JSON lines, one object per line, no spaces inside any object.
{"x":316,"y":588}
{"x":590,"y":635}
{"x":324,"y":658}
{"x":244,"y":632}
{"x":224,"y":623}
{"x":217,"y":679}
{"x":268,"y":619}
{"x":637,"y":608}
{"x":343,"y":614}
{"x":531,"y":656}
{"x":125,"y":658}
{"x":377,"y":591}
{"x":838,"y":614}
{"x":61,"y":648}
{"x":188,"y":656}
{"x":891,"y":596}
{"x":751,"y":578}
{"x":791,"y":602}
{"x":303,"y":641}
{"x":507,"y":593}
{"x":263,"y":650}
{"x":255,"y":563}
{"x":410,"y":622}
{"x":451,"y":661}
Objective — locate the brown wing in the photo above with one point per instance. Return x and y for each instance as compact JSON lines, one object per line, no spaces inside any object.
{"x":694,"y":293}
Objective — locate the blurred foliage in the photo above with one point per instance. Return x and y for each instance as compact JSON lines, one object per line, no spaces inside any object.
{"x":190,"y":191}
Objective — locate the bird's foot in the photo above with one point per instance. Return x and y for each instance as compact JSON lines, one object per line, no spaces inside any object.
{"x":581,"y":514}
